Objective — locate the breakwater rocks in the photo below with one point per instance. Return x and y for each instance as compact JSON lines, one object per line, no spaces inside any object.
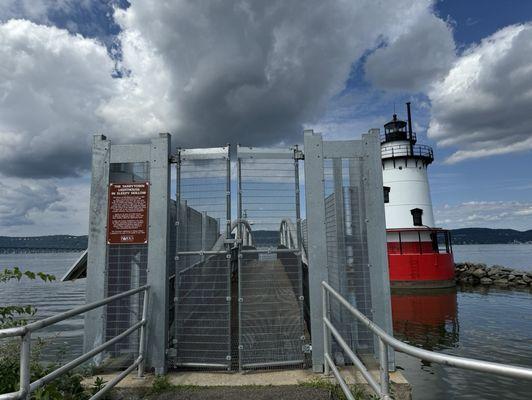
{"x":496,"y":275}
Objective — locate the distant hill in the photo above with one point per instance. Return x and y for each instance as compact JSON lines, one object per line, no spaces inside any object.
{"x":42,"y":243}
{"x":490,"y":236}
{"x":262,"y":238}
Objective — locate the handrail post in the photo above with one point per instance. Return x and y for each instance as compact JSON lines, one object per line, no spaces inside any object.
{"x":25,"y":375}
{"x":142,"y":338}
{"x":326,"y":334}
{"x":384,"y":374}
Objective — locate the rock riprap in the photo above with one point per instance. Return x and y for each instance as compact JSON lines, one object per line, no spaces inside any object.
{"x":480,"y":274}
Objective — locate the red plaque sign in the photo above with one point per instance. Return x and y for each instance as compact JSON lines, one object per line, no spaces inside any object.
{"x":127,"y":221}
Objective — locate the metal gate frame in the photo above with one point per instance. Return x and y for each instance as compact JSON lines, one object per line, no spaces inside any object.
{"x":247,"y":153}
{"x":367,"y":150}
{"x":199,"y":154}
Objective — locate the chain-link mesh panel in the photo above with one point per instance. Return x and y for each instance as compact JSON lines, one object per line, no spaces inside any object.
{"x":126,"y":269}
{"x":203,"y":269}
{"x":272,"y":332}
{"x":202,"y":334}
{"x":347,"y":251}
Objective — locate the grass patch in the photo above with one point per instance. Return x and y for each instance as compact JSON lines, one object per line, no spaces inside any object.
{"x":335,"y":391}
{"x":161,"y":384}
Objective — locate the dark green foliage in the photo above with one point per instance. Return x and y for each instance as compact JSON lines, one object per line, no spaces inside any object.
{"x":15,"y":273}
{"x":161,"y":384}
{"x":99,"y":384}
{"x":17,"y":315}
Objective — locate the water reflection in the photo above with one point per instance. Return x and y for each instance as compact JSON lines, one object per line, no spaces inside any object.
{"x":427,"y":319}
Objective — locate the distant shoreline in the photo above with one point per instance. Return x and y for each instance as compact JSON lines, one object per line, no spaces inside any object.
{"x":70,"y":243}
{"x":490,"y":236}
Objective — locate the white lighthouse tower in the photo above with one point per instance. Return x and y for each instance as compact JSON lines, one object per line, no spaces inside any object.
{"x":420,"y":254}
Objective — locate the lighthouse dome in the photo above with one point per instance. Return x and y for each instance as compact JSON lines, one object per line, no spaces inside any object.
{"x":396,"y":129}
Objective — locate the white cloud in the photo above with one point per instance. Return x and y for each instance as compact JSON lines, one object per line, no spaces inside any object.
{"x":483,"y":105}
{"x":46,"y":206}
{"x":415,"y":59}
{"x":244,"y":70}
{"x":485,"y":214}
{"x":20,"y":198}
{"x":51,"y":83}
{"x":208,"y":72}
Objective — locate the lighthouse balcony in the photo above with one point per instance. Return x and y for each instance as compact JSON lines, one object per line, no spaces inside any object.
{"x":418,"y":151}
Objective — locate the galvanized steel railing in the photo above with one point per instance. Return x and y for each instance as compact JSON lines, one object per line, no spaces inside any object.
{"x":381,"y":388}
{"x":27,"y":387}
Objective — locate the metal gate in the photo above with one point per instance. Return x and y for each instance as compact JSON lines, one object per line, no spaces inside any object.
{"x":271,"y":324}
{"x":259,"y":255}
{"x":202,"y":306}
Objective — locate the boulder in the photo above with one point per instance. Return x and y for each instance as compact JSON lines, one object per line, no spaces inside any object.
{"x":511,"y":277}
{"x":495,"y":270}
{"x":526,"y":278}
{"x":479,"y":273}
{"x":466,"y":279}
{"x":501,"y":282}
{"x":486,"y":281}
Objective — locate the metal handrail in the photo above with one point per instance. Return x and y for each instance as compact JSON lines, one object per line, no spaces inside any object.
{"x":27,"y":387}
{"x":382,"y":388}
{"x":287,"y":226}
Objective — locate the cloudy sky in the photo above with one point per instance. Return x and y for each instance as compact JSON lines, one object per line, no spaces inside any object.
{"x":258,"y":72}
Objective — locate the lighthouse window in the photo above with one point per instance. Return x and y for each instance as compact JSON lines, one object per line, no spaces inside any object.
{"x":416,"y":216}
{"x":386,"y":190}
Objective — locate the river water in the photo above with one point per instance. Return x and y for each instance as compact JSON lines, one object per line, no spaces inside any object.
{"x":517,"y":256}
{"x":490,"y":324}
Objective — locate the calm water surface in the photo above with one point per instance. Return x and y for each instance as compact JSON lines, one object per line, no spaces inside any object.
{"x":518,"y":256}
{"x":494,"y":325}
{"x":48,"y":297}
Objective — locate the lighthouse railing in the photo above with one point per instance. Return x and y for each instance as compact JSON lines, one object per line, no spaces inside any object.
{"x":382,"y":386}
{"x":405,"y":150}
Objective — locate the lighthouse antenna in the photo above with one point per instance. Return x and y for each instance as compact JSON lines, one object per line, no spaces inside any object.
{"x":410,"y":127}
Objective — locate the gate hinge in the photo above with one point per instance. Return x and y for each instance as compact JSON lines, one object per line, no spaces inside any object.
{"x":307,"y":348}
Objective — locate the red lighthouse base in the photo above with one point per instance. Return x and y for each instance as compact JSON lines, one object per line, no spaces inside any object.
{"x":425,"y":263}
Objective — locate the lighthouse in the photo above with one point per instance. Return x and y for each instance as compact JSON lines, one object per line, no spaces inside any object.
{"x":419,"y":253}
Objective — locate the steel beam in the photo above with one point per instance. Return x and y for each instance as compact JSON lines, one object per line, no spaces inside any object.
{"x":317,"y":250}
